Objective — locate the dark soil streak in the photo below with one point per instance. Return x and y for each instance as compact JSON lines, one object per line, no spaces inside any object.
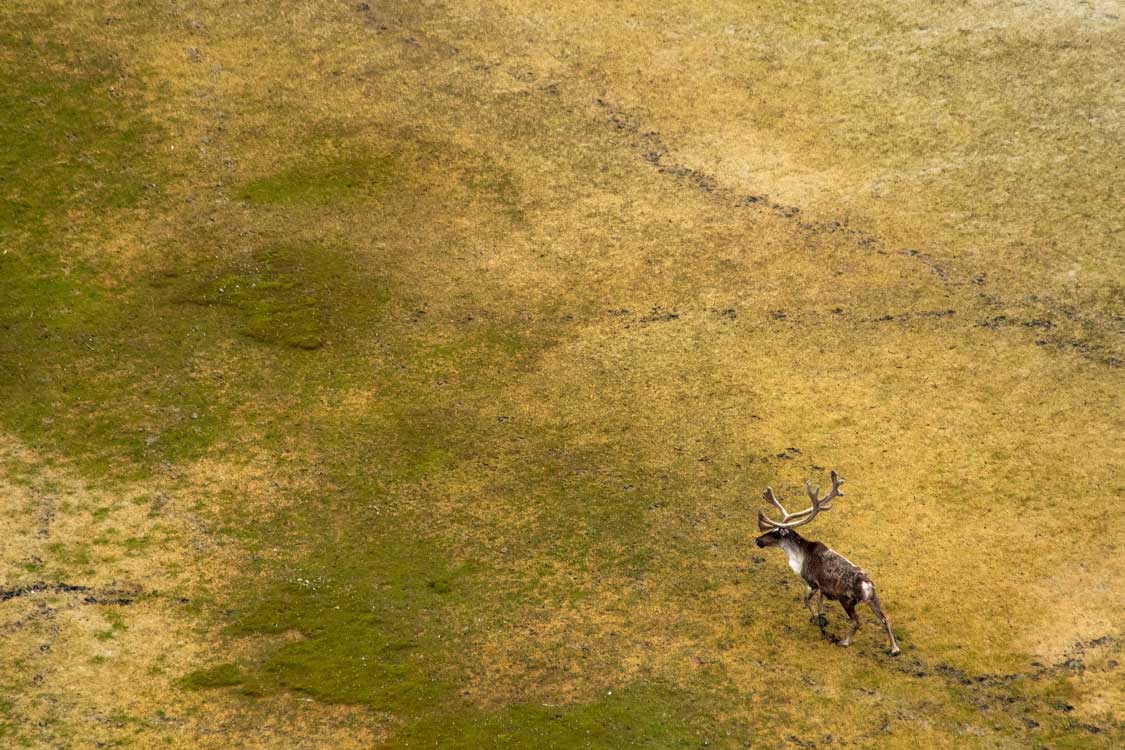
{"x":121,"y":595}
{"x":986,"y":691}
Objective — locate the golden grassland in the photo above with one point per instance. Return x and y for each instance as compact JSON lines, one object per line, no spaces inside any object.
{"x":406,"y":375}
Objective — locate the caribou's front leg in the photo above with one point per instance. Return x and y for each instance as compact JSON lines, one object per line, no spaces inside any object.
{"x":878,"y":610}
{"x":809,"y":591}
{"x":818,"y":613}
{"x":821,"y":620}
{"x":849,"y":607}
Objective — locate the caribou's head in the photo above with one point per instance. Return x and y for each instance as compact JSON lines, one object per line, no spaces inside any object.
{"x":778,"y":531}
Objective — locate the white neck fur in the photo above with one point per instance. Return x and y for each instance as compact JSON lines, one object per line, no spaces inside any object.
{"x":796,"y":557}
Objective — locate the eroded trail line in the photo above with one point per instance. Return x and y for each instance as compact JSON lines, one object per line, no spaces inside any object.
{"x":652,"y":148}
{"x":124,"y":594}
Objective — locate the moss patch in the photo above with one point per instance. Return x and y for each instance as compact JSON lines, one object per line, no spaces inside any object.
{"x":110,"y":373}
{"x":64,"y":144}
{"x":322,"y":182}
{"x":77,"y":351}
{"x":288,"y":294}
{"x":221,"y":675}
{"x":461,"y":447}
{"x":369,"y":623}
{"x":637,"y":716}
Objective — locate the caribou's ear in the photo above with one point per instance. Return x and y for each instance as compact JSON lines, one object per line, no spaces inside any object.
{"x":762,"y":525}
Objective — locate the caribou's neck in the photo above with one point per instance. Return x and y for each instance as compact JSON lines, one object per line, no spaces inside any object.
{"x":797,"y":550}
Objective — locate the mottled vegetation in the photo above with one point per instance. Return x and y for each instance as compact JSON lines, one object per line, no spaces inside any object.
{"x":404,"y":376}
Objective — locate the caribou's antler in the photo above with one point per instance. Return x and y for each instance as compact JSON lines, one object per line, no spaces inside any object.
{"x":800,"y":518}
{"x":825,"y":503}
{"x":786,"y":516}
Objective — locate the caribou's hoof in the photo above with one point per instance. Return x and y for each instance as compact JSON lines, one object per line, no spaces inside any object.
{"x":820,"y":620}
{"x":845,"y":644}
{"x":896,"y":651}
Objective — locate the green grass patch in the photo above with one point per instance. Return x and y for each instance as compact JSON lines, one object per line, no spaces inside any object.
{"x":64,"y":142}
{"x":636,"y":716}
{"x":109,"y":373}
{"x":137,"y":543}
{"x":79,"y":353}
{"x":7,"y":718}
{"x":287,"y":294}
{"x":116,"y":625}
{"x":70,"y":554}
{"x":368,"y":617}
{"x":322,"y":182}
{"x":221,"y":675}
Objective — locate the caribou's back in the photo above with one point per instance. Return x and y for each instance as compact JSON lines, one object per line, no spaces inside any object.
{"x":836,"y":576}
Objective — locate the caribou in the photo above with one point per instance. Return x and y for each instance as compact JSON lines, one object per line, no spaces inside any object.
{"x":826,"y":573}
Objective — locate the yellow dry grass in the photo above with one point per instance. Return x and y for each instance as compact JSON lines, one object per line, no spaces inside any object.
{"x":940,"y":321}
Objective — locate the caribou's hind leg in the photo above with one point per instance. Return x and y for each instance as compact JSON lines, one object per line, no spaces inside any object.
{"x":878,"y":610}
{"x":849,"y":607}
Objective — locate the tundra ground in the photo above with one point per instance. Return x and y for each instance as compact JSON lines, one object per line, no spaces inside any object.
{"x":406,"y":375}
